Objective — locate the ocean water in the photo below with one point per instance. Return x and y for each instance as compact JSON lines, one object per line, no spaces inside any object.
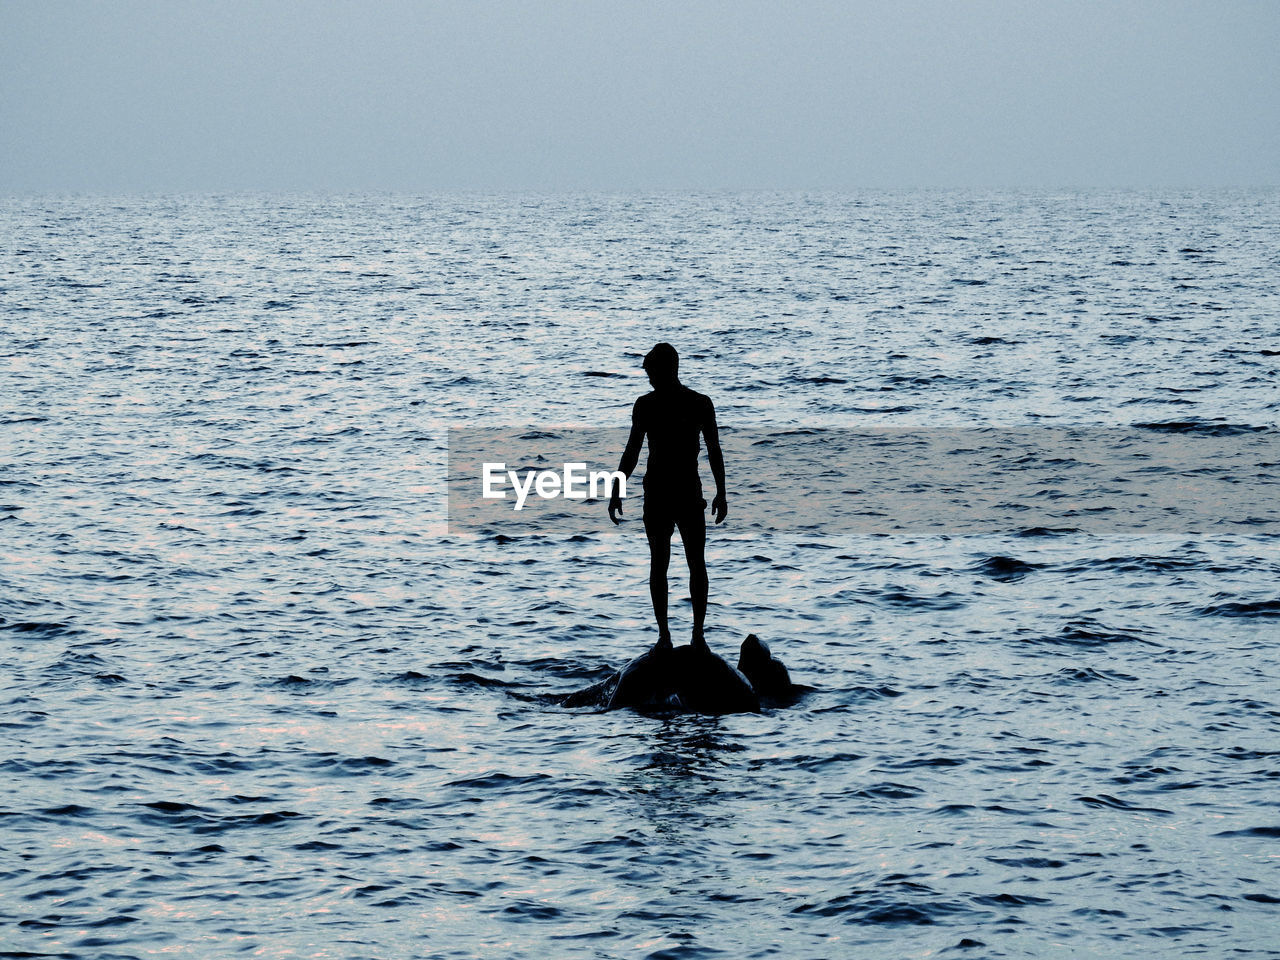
{"x":260,"y":698}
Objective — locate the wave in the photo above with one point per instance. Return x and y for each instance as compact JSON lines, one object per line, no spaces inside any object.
{"x":1248,"y":609}
{"x":1201,"y":428}
{"x":1005,"y":568}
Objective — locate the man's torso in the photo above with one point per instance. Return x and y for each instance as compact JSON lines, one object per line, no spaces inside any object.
{"x":673,"y":421}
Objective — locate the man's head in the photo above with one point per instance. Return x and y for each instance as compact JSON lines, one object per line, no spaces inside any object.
{"x":662,"y":363}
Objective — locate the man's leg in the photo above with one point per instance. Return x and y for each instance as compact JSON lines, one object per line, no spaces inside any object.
{"x":659,"y":534}
{"x":693,"y":534}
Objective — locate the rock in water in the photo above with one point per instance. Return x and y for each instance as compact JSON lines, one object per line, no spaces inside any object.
{"x":696,"y":680}
{"x":768,"y":674}
{"x":683,"y":678}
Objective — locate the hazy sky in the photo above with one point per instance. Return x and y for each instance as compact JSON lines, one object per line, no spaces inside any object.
{"x":600,"y":95}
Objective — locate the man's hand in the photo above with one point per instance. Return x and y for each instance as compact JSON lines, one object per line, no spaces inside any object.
{"x":615,"y":504}
{"x":720,"y":506}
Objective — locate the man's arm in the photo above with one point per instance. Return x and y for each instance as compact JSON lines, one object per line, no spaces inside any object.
{"x":630,"y":457}
{"x":711,"y":434}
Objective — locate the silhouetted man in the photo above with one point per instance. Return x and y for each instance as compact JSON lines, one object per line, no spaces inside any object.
{"x":673,"y":417}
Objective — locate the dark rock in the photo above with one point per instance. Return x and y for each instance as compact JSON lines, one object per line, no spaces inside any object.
{"x":692,"y":679}
{"x":766,"y":672}
{"x":683,"y":678}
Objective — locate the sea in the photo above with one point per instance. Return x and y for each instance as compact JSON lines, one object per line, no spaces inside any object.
{"x":261,"y":696}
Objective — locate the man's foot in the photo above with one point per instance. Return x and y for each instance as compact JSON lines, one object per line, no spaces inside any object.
{"x":698,"y":642}
{"x":663,"y":645}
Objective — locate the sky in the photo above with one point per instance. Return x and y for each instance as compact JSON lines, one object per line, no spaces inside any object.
{"x":593,"y":95}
